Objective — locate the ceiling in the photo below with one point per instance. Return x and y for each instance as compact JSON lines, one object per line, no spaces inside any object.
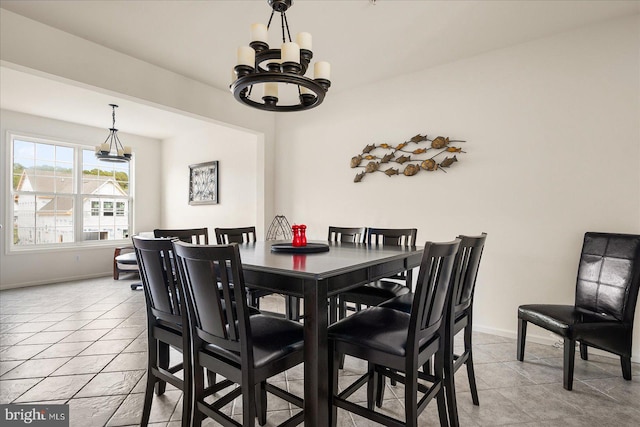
{"x":364,"y":41}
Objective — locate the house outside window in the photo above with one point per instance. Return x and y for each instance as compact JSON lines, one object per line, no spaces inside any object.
{"x":63,"y":195}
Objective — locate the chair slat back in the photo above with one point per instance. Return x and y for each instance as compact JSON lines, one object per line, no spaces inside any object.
{"x":609,"y":275}
{"x":224,"y":236}
{"x":433,"y":290}
{"x":469,"y":255}
{"x":199,"y":236}
{"x":347,"y":234}
{"x":214,"y":286}
{"x":392,"y":236}
{"x":159,"y":281}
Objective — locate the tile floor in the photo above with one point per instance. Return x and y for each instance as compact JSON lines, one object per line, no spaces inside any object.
{"x":84,"y":343}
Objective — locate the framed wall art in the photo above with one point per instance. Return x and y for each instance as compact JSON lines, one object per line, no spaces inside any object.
{"x":203,"y":183}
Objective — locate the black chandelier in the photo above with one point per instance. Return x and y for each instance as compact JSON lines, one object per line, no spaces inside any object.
{"x":112,"y":150}
{"x":258,"y":65}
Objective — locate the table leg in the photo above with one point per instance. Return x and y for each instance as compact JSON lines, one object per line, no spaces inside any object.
{"x":316,"y":362}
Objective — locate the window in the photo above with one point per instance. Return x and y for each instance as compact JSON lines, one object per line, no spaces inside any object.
{"x":107,"y":208}
{"x":120,"y":208}
{"x":62,"y":194}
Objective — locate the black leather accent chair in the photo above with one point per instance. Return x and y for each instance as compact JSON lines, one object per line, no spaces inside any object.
{"x":372,"y":294}
{"x":245,"y":349}
{"x":395,"y":342}
{"x":166,"y":324}
{"x":460,"y":319}
{"x":189,"y":235}
{"x":605,"y":302}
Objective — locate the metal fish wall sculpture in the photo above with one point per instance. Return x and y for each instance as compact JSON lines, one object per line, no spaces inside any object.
{"x":411,"y":156}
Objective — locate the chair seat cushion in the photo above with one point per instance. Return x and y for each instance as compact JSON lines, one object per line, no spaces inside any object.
{"x":567,"y":321}
{"x":128,"y":258}
{"x":375,"y":293}
{"x":273,"y":338}
{"x":382,"y":329}
{"x":401,"y":303}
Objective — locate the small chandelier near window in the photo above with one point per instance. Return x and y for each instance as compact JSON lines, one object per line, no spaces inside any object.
{"x":260,"y":69}
{"x":112,"y":150}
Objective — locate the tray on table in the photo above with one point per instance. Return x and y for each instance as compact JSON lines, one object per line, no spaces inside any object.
{"x":288,"y":248}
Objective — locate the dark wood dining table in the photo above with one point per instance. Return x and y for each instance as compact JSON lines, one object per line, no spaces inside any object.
{"x":316,"y":277}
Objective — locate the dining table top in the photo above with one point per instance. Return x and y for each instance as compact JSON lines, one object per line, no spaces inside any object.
{"x":339,"y":258}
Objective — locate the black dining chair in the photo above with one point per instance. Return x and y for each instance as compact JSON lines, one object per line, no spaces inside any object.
{"x":346,"y":234}
{"x":353,"y":235}
{"x":166,"y":324}
{"x":605,"y":302}
{"x":243,"y":235}
{"x":395,"y":344}
{"x":190,"y":235}
{"x":246,"y":349}
{"x":372,"y":294}
{"x":460,"y":318}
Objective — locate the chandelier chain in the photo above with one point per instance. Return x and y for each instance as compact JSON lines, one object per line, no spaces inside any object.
{"x":286,"y":24}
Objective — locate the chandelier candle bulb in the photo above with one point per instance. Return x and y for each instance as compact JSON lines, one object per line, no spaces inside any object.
{"x":322,"y":70}
{"x":246,"y":56}
{"x":271,"y":89}
{"x":306,"y":91}
{"x":290,"y":52}
{"x":259,"y":33}
{"x":105,"y":147}
{"x":127,"y":149}
{"x":304,"y":40}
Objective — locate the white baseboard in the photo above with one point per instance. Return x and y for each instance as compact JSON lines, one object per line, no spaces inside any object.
{"x":50,"y":282}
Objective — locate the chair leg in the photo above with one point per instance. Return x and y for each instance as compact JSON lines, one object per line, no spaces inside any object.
{"x":187,"y":375}
{"x":261,"y":403}
{"x":626,"y":367}
{"x":584,"y":355}
{"x":151,"y":381}
{"x":148,"y":399}
{"x":441,"y":398}
{"x":470,"y":371}
{"x":198,"y":393}
{"x":333,"y":310}
{"x":163,"y":362}
{"x":569,"y":355}
{"x":211,"y":378}
{"x":248,"y":407}
{"x":380,"y":391}
{"x":448,"y":375}
{"x":334,"y":362}
{"x":411,"y":398}
{"x":372,"y":385}
{"x":522,"y":334}
{"x":292,"y":308}
{"x":342,"y":309}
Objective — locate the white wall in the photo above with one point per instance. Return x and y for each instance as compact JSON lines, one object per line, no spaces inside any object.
{"x":237,"y":156}
{"x":553,"y":151}
{"x":23,"y":269}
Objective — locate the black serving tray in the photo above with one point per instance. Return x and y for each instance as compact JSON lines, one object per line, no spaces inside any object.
{"x":288,"y":248}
